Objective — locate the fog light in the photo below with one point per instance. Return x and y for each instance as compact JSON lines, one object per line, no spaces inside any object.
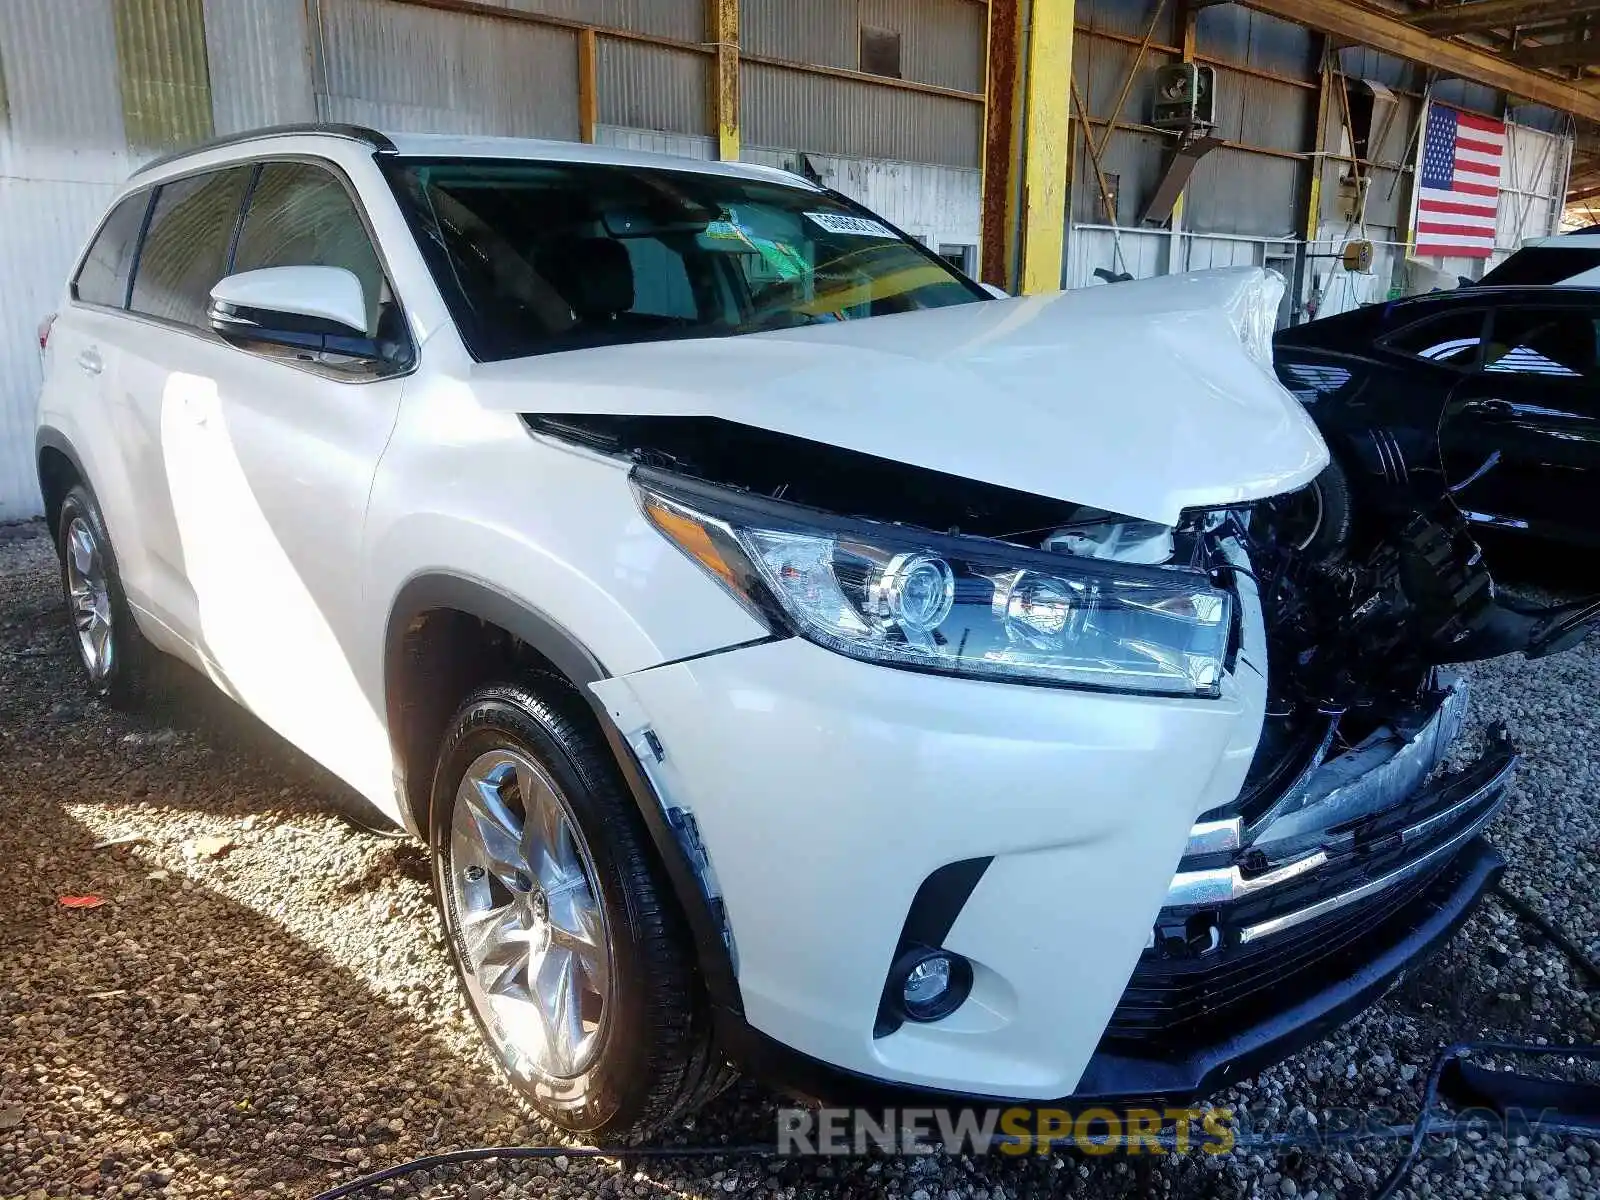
{"x":932,"y":983}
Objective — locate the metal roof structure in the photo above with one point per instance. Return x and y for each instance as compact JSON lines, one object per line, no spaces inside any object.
{"x":1545,"y":51}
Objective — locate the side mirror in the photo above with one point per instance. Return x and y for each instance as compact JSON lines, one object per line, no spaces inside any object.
{"x":320,"y":310}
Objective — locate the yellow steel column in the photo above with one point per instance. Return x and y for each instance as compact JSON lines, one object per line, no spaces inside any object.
{"x":588,"y":94}
{"x":1311,"y":219}
{"x":723,"y":18}
{"x":1047,"y":144}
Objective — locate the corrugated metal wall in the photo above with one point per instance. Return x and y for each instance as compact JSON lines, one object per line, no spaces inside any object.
{"x":683,"y":145}
{"x":165,"y":83}
{"x":260,"y":59}
{"x":88,"y":88}
{"x":938,"y":204}
{"x":62,"y":151}
{"x":1533,"y":176}
{"x":824,"y":32}
{"x":424,"y":71}
{"x":1141,"y":254}
{"x":652,"y":87}
{"x":1127,"y":17}
{"x":1253,"y":39}
{"x":1233,"y":190}
{"x":680,"y":19}
{"x":1532,"y":186}
{"x":942,"y":43}
{"x":1246,"y":201}
{"x":1131,"y":159}
{"x":793,"y":110}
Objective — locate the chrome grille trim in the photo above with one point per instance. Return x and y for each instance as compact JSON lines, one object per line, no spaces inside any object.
{"x":1226,"y":884}
{"x":1215,"y":837}
{"x":1264,"y":929}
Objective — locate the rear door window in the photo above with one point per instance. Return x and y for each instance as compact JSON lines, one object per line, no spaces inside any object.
{"x":1554,"y":343}
{"x":103,"y":277}
{"x":1452,"y":339}
{"x":185,"y":250}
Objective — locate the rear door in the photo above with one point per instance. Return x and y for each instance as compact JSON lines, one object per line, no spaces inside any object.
{"x":80,"y":389}
{"x":1521,"y":436}
{"x":164,"y":360}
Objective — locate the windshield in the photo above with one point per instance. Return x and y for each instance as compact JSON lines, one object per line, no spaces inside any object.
{"x":536,"y":257}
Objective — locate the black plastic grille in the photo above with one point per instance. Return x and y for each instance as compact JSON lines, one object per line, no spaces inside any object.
{"x":1181,"y":999}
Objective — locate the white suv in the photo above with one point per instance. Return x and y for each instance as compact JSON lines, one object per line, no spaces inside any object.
{"x":793,"y":655}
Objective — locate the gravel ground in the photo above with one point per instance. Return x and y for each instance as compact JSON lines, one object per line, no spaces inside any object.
{"x":262,"y":1005}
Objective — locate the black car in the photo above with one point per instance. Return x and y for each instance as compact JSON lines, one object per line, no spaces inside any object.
{"x":1453,"y":419}
{"x":1488,"y":395}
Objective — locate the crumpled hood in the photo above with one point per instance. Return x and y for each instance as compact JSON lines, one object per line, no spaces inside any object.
{"x":1137,"y":398}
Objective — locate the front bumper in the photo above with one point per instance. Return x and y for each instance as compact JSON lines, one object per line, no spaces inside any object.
{"x":826,"y":793}
{"x":1346,"y":984}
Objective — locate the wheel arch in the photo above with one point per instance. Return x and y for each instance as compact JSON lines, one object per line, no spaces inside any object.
{"x":59,"y":467}
{"x":467,"y":609}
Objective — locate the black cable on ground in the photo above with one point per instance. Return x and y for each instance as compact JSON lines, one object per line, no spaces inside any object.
{"x":1551,"y":930}
{"x":480,"y":1153}
{"x":1417,"y":1133}
{"x":1426,"y":1124}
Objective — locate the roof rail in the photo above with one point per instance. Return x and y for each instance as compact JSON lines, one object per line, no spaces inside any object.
{"x":355,"y":133}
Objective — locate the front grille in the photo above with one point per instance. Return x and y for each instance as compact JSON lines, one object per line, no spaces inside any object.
{"x":1170,"y":999}
{"x":1219,"y":968}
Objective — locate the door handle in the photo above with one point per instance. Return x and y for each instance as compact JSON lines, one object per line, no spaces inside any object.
{"x":1498,"y":410}
{"x":91,"y":361}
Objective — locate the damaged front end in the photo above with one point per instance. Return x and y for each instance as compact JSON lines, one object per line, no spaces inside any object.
{"x":1352,"y":852}
{"x":1354,"y":841}
{"x":1351,"y":846}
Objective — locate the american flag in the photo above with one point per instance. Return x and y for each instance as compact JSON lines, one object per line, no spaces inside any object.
{"x":1460,"y":184}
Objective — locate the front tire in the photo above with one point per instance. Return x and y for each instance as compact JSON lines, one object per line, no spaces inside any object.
{"x":1318,"y":519}
{"x":574,"y":962}
{"x":117,"y":661}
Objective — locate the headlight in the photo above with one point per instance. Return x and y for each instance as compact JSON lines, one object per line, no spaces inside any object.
{"x":964,"y":606}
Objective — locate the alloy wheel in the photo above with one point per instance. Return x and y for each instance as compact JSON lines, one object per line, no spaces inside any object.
{"x":530,"y":928}
{"x":89,"y":593}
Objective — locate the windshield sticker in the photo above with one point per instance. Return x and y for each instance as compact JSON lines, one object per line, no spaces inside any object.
{"x":846,"y":224}
{"x":727,"y":229}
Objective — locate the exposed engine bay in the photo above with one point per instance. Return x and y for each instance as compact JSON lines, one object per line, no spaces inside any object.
{"x":1354,"y":633}
{"x":1347,"y":626}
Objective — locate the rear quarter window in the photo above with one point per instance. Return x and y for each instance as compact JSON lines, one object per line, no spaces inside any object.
{"x":103,"y":276}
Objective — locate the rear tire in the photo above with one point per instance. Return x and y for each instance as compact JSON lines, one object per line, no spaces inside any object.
{"x":117,"y":662}
{"x":527,"y":798}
